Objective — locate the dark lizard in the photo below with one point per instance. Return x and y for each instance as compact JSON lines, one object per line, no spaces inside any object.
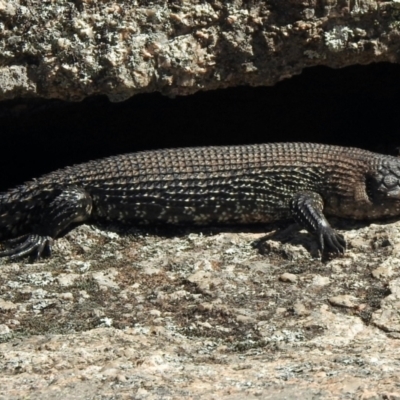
{"x":206,"y":185}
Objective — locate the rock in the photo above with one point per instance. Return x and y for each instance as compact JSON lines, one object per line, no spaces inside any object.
{"x":67,"y":279}
{"x":248,"y":335}
{"x":4,"y":330}
{"x":244,"y":319}
{"x":68,"y":296}
{"x":106,"y":279}
{"x":287,"y":277}
{"x":7,"y":305}
{"x":121,"y":49}
{"x":300,"y":309}
{"x":344,"y":300}
{"x":388,"y":316}
{"x":319,"y":280}
{"x":383,"y":272}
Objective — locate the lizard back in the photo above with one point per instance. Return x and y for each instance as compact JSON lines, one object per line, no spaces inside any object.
{"x":203,"y":185}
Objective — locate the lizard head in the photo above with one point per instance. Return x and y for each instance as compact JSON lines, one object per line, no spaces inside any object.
{"x":385,"y":182}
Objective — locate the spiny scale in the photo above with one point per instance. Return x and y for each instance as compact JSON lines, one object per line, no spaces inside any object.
{"x":205,"y":185}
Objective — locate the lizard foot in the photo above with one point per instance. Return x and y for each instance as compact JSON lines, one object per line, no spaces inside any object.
{"x":27,"y":244}
{"x":333,"y":242}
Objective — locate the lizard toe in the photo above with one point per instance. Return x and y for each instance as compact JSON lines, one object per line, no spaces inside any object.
{"x":31,"y":244}
{"x":331,"y":241}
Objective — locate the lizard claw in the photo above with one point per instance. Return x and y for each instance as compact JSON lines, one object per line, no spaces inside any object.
{"x":333,"y":241}
{"x":28,"y":244}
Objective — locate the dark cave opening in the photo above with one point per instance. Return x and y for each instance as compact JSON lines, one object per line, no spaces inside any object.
{"x":354,"y":106}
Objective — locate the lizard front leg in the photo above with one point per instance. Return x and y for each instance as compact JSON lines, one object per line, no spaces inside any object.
{"x":72,"y":204}
{"x":307,"y":210}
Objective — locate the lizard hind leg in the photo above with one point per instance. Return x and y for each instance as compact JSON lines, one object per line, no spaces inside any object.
{"x":307,"y":210}
{"x":72,"y":204}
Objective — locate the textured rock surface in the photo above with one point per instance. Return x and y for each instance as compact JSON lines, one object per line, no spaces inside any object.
{"x":202,"y":314}
{"x":72,"y":49}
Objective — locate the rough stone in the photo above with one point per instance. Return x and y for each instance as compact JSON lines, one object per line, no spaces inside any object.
{"x":216,"y":321}
{"x":344,"y":300}
{"x":287,"y":277}
{"x":7,"y":305}
{"x":74,"y":49}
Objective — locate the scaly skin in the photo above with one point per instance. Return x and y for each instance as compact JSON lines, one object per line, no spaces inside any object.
{"x":206,"y":185}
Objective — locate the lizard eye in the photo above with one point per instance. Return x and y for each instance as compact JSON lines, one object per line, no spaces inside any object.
{"x":389,"y":181}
